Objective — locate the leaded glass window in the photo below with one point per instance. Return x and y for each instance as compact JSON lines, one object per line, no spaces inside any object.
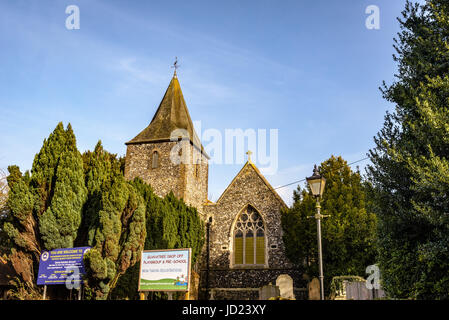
{"x":249,"y":238}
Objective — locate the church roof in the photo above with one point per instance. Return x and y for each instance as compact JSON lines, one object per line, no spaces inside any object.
{"x":172,"y":114}
{"x":251,"y":165}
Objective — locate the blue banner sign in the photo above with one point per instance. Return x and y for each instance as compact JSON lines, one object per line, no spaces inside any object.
{"x":62,"y":266}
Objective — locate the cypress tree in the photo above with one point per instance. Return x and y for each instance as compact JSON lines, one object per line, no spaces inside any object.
{"x":170,"y":224}
{"x":100,"y":167}
{"x":45,"y":207}
{"x":114,"y":223}
{"x":59,"y":224}
{"x":72,"y":200}
{"x":20,"y":228}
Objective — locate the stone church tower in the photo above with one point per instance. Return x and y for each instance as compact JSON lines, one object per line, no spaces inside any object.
{"x":244,"y":250}
{"x":168,"y":154}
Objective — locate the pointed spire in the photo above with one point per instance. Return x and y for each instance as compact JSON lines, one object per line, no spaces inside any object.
{"x":171,"y":114}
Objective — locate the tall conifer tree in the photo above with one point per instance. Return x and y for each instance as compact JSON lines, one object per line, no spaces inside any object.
{"x":410,"y":171}
{"x":61,"y":169}
{"x":113,"y":222}
{"x":170,"y":224}
{"x":45,"y":207}
{"x":347,"y":235}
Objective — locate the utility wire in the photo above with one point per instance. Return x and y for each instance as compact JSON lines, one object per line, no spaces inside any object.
{"x":295,"y":182}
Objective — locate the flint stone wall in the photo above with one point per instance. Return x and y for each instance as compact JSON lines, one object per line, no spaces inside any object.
{"x":248,"y":294}
{"x":248,"y":188}
{"x":168,"y":176}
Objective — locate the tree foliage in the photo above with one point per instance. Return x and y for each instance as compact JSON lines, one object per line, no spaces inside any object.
{"x":170,"y":224}
{"x":113,"y":224}
{"x":45,"y":207}
{"x":69,"y":199}
{"x":410,"y":171}
{"x":58,"y":178}
{"x":347,"y":235}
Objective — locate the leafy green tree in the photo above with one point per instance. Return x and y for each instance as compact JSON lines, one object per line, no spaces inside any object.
{"x":348,"y":235}
{"x":409,"y":174}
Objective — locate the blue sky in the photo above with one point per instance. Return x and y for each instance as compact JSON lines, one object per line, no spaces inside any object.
{"x":310,"y":69}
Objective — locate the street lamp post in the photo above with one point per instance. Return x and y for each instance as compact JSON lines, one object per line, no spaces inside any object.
{"x":317,"y":183}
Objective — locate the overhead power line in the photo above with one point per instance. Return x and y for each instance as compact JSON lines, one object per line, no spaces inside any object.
{"x":298,"y":181}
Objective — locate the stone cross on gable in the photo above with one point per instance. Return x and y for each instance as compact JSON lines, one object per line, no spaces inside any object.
{"x":249,"y":153}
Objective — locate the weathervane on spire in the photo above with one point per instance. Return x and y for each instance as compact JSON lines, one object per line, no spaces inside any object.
{"x":175,"y":65}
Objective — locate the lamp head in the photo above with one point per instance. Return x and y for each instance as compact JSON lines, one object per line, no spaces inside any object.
{"x":316,"y":183}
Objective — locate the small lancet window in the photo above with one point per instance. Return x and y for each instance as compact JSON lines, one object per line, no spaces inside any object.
{"x":197,"y":170}
{"x":155,"y":160}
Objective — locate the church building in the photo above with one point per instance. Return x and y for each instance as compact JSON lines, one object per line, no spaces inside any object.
{"x":244,"y":250}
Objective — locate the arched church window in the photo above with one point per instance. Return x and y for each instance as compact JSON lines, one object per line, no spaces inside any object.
{"x":249,"y":238}
{"x":155,"y":160}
